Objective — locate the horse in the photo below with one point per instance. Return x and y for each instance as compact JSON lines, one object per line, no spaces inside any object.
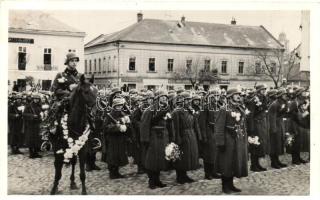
{"x":82,"y":102}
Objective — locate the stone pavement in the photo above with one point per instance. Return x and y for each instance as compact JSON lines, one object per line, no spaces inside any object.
{"x":35,"y":176}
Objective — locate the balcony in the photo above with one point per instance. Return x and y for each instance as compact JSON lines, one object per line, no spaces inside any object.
{"x":47,"y":67}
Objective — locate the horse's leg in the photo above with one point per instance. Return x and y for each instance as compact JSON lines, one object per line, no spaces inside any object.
{"x":73,"y":185}
{"x":58,"y":163}
{"x":82,"y":160}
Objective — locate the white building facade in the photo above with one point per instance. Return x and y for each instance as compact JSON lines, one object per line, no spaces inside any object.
{"x":38,"y":48}
{"x":117,"y":60}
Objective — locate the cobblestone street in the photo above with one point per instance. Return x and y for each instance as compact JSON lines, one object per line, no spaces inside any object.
{"x":35,"y":176}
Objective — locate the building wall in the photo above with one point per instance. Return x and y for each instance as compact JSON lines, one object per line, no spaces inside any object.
{"x":59,"y":45}
{"x":142,"y":52}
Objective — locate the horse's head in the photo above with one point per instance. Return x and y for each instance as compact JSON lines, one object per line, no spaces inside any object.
{"x":87,"y":91}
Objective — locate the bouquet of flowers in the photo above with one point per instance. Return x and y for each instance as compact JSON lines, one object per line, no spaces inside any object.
{"x":236,"y":115}
{"x":45,"y":107}
{"x":172,"y":152}
{"x":62,"y":80}
{"x":257,"y":101}
{"x":254,"y":140}
{"x":21,"y":108}
{"x":167,"y":116}
{"x":247,"y":112}
{"x":289,"y":139}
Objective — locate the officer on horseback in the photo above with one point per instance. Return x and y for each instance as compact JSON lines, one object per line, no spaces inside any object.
{"x":64,"y":82}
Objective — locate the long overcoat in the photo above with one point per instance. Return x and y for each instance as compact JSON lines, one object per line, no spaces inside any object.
{"x":257,"y":125}
{"x":207,"y":128}
{"x":32,"y":119}
{"x":233,"y":144}
{"x":186,"y":130}
{"x":116,"y":141}
{"x":15,"y":124}
{"x":155,"y":131}
{"x":277,"y":118}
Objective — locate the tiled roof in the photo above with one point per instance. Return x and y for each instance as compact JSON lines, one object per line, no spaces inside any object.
{"x":192,"y":33}
{"x":37,"y":21}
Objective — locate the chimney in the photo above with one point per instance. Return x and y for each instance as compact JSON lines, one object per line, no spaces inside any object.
{"x":183,"y":20}
{"x":139,"y":17}
{"x":233,"y":21}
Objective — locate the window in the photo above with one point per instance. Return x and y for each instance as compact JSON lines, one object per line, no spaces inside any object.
{"x":152,"y":64}
{"x":273,"y":67}
{"x":240,"y":70}
{"x":95,"y":66}
{"x":258,"y":68}
{"x":132,"y":64}
{"x":90,"y":69}
{"x":104,"y":65}
{"x":207,"y":65}
{"x":85,"y":66}
{"x":99,"y":65}
{"x":224,"y":67}
{"x":132,"y":86}
{"x":188,"y":64}
{"x":114,"y":64}
{"x":47,"y":59}
{"x":108,"y":64}
{"x":170,"y":65}
{"x":170,"y":87}
{"x":187,"y":87}
{"x":22,"y":58}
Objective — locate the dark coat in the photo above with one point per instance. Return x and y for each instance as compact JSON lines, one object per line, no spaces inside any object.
{"x":137,"y":147}
{"x":116,"y":141}
{"x":297,"y":127}
{"x":186,"y":128}
{"x":207,"y":128}
{"x":32,"y":124}
{"x":277,"y":118}
{"x":233,"y":143}
{"x":61,"y":89}
{"x":15,"y":124}
{"x":257,"y":125}
{"x":154,"y":131}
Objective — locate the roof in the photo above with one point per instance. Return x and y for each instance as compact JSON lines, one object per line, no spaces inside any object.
{"x":193,"y":33}
{"x":39,"y":22}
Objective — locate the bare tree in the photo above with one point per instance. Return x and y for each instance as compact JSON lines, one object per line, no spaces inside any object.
{"x":194,"y":71}
{"x":269,"y":63}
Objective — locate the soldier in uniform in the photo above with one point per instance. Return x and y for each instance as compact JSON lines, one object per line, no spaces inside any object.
{"x":257,"y":126}
{"x":277,"y":113}
{"x":136,"y":121}
{"x":186,"y":131}
{"x":32,"y":116}
{"x":15,"y":120}
{"x":231,"y":139}
{"x":116,"y":134}
{"x":207,"y":127}
{"x":64,"y":82}
{"x":155,"y":132}
{"x":297,"y":115}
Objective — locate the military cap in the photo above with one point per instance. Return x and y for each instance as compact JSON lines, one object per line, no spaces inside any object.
{"x":233,"y":91}
{"x":196,"y":97}
{"x":71,"y":56}
{"x":186,"y":95}
{"x":161,"y":92}
{"x":36,"y":96}
{"x":133,"y":91}
{"x":118,"y":101}
{"x":261,"y":87}
{"x":272,"y":93}
{"x":180,"y":90}
{"x":281,"y":92}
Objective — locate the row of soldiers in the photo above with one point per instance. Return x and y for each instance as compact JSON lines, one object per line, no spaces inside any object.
{"x":26,"y":111}
{"x":213,"y":125}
